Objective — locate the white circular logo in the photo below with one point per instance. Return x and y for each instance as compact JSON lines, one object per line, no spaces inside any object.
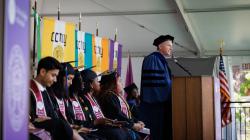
{"x":40,"y":105}
{"x":16,"y":88}
{"x":75,"y":104}
{"x":12,"y":11}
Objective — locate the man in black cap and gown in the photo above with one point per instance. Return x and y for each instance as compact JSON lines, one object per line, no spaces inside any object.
{"x":43,"y":114}
{"x":156,"y":108}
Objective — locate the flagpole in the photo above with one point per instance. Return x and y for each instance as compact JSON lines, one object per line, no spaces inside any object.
{"x":221,"y":43}
{"x":115,"y":39}
{"x":225,"y":94}
{"x":97,"y":33}
{"x":58,"y":10}
{"x":34,"y":38}
{"x":80,"y":21}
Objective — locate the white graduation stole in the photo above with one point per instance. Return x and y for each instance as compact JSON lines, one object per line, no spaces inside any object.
{"x":96,"y":108}
{"x":78,"y":113}
{"x":61,"y":107}
{"x":40,"y":108}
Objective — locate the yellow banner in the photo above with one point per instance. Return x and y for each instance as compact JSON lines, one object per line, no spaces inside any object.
{"x":58,"y":40}
{"x":105,"y":54}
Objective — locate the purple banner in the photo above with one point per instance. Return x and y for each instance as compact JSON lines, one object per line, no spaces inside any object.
{"x":119,"y":67}
{"x":16,"y":70}
{"x":111,"y":54}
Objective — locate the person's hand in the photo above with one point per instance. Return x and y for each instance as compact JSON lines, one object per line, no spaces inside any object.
{"x":31,"y":126}
{"x":103,"y":121}
{"x":84,"y":130}
{"x":137,"y":126}
{"x":142,"y":124}
{"x":42,"y":119}
{"x":119,"y":123}
{"x":75,"y":126}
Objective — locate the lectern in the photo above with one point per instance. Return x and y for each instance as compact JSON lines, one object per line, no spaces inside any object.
{"x":193,"y":108}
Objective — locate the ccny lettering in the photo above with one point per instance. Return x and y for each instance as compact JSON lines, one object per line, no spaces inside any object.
{"x":59,"y":37}
{"x":98,"y":50}
{"x":81,"y":45}
{"x":116,"y":54}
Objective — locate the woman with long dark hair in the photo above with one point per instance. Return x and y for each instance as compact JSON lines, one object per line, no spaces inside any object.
{"x":113,"y":104}
{"x":60,"y":97}
{"x":94,"y":117}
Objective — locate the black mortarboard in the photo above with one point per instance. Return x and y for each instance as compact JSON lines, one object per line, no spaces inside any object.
{"x":88,"y":75}
{"x":130,"y":87}
{"x":68,"y":68}
{"x":108,"y":76}
{"x":161,"y":39}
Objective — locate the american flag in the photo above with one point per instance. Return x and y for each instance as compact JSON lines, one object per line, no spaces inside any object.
{"x":226,"y":116}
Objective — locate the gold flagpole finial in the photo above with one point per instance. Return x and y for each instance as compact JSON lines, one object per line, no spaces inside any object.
{"x":221,"y":50}
{"x":58,"y":10}
{"x":97,"y":29}
{"x":222,"y":44}
{"x":80,"y":21}
{"x":115,"y":39}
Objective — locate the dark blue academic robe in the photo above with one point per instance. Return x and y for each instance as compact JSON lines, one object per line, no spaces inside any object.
{"x":156,"y":96}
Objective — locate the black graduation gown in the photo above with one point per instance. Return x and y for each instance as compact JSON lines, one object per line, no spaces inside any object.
{"x":71,"y":120}
{"x":134,"y":108}
{"x":108,"y":132}
{"x":88,"y":122}
{"x":58,"y":127}
{"x":111,"y":107}
{"x":83,"y":123}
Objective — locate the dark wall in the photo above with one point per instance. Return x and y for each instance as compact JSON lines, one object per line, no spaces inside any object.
{"x":1,"y":61}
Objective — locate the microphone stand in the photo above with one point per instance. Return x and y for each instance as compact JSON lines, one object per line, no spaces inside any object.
{"x":178,"y":64}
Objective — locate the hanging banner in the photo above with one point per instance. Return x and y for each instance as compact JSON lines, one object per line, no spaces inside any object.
{"x":115,"y":56}
{"x":97,"y":54}
{"x":111,"y":54}
{"x":16,"y":70}
{"x":105,"y":55}
{"x":88,"y":51}
{"x":58,"y":40}
{"x":119,"y":58}
{"x":80,"y":48}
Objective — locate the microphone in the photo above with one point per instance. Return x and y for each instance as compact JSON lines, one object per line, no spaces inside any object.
{"x":178,"y":64}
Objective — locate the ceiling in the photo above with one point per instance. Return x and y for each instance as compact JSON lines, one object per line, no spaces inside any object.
{"x":197,"y":25}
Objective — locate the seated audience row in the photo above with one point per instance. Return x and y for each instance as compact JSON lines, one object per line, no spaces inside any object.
{"x":69,"y":104}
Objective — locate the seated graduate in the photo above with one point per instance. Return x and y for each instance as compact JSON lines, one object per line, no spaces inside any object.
{"x":107,"y":128}
{"x":76,"y":112}
{"x":133,"y":99}
{"x":61,"y":100}
{"x":113,"y":104}
{"x":59,"y":90}
{"x":42,"y":110}
{"x":77,"y":115}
